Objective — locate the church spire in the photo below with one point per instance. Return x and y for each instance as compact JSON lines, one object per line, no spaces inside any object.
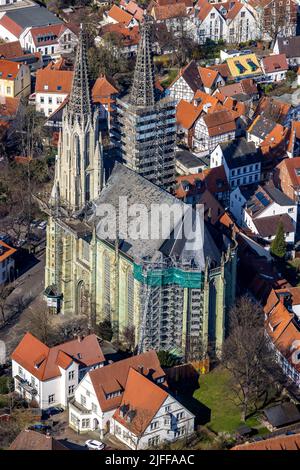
{"x":80,"y":99}
{"x":142,"y":92}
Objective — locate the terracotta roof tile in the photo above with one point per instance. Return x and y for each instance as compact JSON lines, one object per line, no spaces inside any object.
{"x":275,"y":63}
{"x":55,"y":81}
{"x":187,"y":114}
{"x":170,"y":11}
{"x":8,"y":69}
{"x":32,"y":440}
{"x":113,"y":377}
{"x":274,"y":443}
{"x":41,"y":361}
{"x":220,"y":122}
{"x":11,"y":26}
{"x":144,"y":398}
{"x":11,"y":50}
{"x":208,"y":76}
{"x":103,"y":88}
{"x":119,"y":15}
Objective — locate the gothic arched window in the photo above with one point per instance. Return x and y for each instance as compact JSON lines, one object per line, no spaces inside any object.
{"x":87,"y":150}
{"x":130,"y":296}
{"x":77,"y":152}
{"x":106,"y":284}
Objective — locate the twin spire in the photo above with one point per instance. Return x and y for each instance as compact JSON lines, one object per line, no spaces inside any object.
{"x":142,"y":91}
{"x":80,"y":98}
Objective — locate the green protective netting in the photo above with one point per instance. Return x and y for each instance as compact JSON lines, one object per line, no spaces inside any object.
{"x":163,"y":277}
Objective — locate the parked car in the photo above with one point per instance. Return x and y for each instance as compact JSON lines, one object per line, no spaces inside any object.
{"x":42,"y":225}
{"x":40,"y":427}
{"x":92,"y":444}
{"x":54,"y":410}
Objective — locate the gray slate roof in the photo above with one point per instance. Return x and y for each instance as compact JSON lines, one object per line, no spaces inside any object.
{"x":126,"y":183}
{"x":262,"y":127}
{"x":239,"y":153}
{"x":32,"y":16}
{"x":289,"y":46}
{"x":267,"y":226}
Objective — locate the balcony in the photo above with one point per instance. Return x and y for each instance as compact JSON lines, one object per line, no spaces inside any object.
{"x":78,"y":407}
{"x":26,"y":386}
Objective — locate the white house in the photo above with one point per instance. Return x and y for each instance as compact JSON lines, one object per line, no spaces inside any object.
{"x":118,"y":15}
{"x":129,"y":392}
{"x":52,"y":40}
{"x":51,"y":89}
{"x":213,"y":128}
{"x":241,"y":160}
{"x":187,"y":82}
{"x":7,"y":262}
{"x":275,"y":67}
{"x":50,"y":375}
{"x":261,"y":209}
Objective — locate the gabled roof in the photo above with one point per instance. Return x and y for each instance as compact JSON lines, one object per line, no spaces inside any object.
{"x":128,"y":36}
{"x":44,"y":362}
{"x":33,"y":440}
{"x":187,"y":114}
{"x":267,"y":226}
{"x":208,"y":76}
{"x":53,"y":81}
{"x":282,"y":442}
{"x":219,"y":122}
{"x":261,"y":127}
{"x":293,"y":168}
{"x":119,"y":15}
{"x":103,"y":88}
{"x":272,"y":108}
{"x":143,"y":399}
{"x":232,"y":9}
{"x":290,"y":46}
{"x":275,"y":63}
{"x":247,"y":86}
{"x":166,"y":12}
{"x":8,"y":69}
{"x":9,"y":108}
{"x":16,"y":20}
{"x":10,"y":50}
{"x":112,"y":378}
{"x":240,"y":152}
{"x":190,"y":73}
{"x":244,"y":65}
{"x":52,"y":31}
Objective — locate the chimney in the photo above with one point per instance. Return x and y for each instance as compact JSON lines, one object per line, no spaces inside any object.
{"x":79,"y":339}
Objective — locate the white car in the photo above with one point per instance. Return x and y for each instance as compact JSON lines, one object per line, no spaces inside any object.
{"x":42,"y":225}
{"x":92,"y":444}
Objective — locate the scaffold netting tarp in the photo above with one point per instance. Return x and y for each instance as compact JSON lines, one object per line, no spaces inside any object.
{"x":162,"y":277}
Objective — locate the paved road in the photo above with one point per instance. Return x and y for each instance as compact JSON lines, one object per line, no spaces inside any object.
{"x":29,"y":290}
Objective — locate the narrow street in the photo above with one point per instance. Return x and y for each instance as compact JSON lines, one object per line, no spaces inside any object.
{"x":25,"y":298}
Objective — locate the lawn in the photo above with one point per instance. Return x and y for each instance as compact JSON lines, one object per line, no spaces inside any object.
{"x":215,"y":393}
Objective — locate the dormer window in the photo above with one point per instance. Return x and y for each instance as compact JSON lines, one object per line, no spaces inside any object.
{"x":59,"y":87}
{"x":46,"y":87}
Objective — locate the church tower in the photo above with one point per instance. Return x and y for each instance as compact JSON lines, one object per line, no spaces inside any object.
{"x":146,"y":125}
{"x":79,"y":162}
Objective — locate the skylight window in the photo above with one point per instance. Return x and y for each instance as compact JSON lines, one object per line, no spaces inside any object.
{"x":240,"y":67}
{"x":59,"y":87}
{"x":297,"y":170}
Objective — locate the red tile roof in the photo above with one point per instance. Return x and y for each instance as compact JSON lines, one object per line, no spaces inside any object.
{"x":103,"y":88}
{"x":166,"y":12}
{"x":33,"y":440}
{"x":208,"y":76}
{"x":119,"y":15}
{"x":10,"y":50}
{"x":128,"y":36}
{"x":9,"y":107}
{"x":112,"y":378}
{"x":144,"y":398}
{"x":8,"y":69}
{"x":274,"y":443}
{"x":214,"y":179}
{"x":54,"y":30}
{"x":56,"y":81}
{"x":275,"y":63}
{"x":44,"y":362}
{"x":187,"y":114}
{"x":220,"y":122}
{"x":11,"y":26}
{"x":293,"y":167}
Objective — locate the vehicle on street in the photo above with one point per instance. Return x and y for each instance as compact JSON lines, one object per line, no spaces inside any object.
{"x":54,"y":410}
{"x":40,"y":427}
{"x":92,"y":444}
{"x":42,"y":225}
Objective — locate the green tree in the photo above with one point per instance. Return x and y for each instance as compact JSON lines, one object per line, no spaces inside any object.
{"x":105,"y":330}
{"x":278,"y":245}
{"x":167,"y":359}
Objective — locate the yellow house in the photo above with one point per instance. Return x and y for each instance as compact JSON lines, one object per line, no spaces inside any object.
{"x":244,"y":66}
{"x":14,"y":79}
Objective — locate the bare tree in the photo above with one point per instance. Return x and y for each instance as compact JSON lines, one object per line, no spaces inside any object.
{"x":247,"y":355}
{"x":129,"y":336}
{"x":42,"y":325}
{"x":5,"y":291}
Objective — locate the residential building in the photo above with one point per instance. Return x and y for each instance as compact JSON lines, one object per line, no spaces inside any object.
{"x":241,"y":160}
{"x":10,"y":111}
{"x":213,"y":128}
{"x":290,"y":46}
{"x":14,"y":22}
{"x":244,"y":89}
{"x":187,"y":115}
{"x":174,"y":15}
{"x":132,"y":7}
{"x":51,"y":89}
{"x":34,"y":440}
{"x":281,"y":442}
{"x":187,"y":82}
{"x":15,"y":81}
{"x":104,"y":93}
{"x":275,"y":18}
{"x":130,"y":399}
{"x":128,"y":38}
{"x":275,"y":67}
{"x":262,"y":208}
{"x":188,"y":164}
{"x":211,"y":79}
{"x":7,"y":263}
{"x":52,"y":40}
{"x":260,"y":128}
{"x":233,"y":22}
{"x":293,"y":149}
{"x":245,"y":66}
{"x":118,"y":15}
{"x":10,"y":50}
{"x":50,"y":375}
{"x":287,"y":176}
{"x":282,"y":328}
